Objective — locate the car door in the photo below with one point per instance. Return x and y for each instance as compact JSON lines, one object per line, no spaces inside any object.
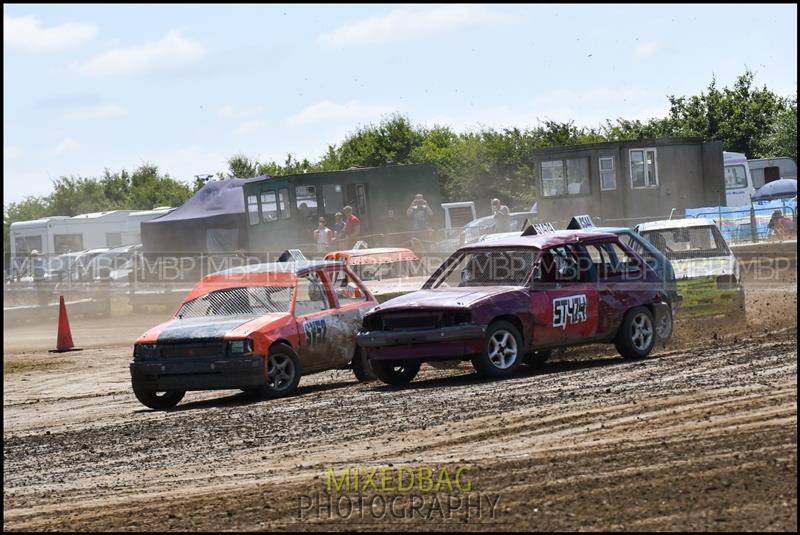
{"x":352,"y":301}
{"x":564,"y":299}
{"x":313,"y":307}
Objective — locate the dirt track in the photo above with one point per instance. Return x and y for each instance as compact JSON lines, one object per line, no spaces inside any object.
{"x":702,"y":435}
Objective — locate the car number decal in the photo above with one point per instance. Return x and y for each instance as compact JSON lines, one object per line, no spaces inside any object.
{"x":315,"y":331}
{"x":571,"y":309}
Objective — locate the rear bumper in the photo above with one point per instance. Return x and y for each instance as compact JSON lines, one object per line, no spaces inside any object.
{"x":209,"y":373}
{"x":446,"y":343}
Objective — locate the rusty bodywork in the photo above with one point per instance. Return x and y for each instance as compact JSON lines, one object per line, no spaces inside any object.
{"x":450,"y":318}
{"x":224,"y":331}
{"x":387,"y":271}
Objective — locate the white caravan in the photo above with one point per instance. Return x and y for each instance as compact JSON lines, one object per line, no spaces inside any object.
{"x":765,"y":170}
{"x":57,"y":235}
{"x":738,"y":181}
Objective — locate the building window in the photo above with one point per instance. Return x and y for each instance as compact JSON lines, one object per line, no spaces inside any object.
{"x":306,"y":199}
{"x":269,"y":206}
{"x":553,"y":178}
{"x":565,"y":177}
{"x":608,"y":175}
{"x":735,"y":177}
{"x":65,"y":243}
{"x":252,"y":209}
{"x":283,"y":204}
{"x":644,"y":170}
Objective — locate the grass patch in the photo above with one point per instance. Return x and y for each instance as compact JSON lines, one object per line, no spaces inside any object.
{"x":24,"y":366}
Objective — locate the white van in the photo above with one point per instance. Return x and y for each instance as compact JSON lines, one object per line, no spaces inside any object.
{"x":738,"y":180}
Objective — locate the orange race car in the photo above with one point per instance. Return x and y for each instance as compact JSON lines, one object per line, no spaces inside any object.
{"x":387,"y":271}
{"x":256,"y":328}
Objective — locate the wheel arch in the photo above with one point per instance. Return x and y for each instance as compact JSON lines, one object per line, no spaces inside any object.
{"x":514,"y":320}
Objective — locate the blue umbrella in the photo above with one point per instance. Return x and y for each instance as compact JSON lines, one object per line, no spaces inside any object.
{"x":777,"y":189}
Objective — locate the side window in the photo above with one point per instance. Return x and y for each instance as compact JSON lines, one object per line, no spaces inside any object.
{"x":619,"y":260}
{"x":600,"y":261}
{"x":283,"y":204}
{"x":306,"y":199}
{"x":311,"y":296}
{"x":558,"y":264}
{"x":269,"y":208}
{"x":346,"y":289}
{"x":252,"y":209}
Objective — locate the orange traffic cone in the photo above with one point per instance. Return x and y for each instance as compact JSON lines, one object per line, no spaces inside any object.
{"x":64,"y":340}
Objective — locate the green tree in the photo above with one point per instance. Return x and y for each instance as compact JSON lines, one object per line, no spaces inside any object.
{"x":782,"y":140}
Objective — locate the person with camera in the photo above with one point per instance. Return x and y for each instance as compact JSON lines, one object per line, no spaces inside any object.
{"x":420,"y":213}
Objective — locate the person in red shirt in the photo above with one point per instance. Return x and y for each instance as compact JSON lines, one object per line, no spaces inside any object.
{"x":352,"y":225}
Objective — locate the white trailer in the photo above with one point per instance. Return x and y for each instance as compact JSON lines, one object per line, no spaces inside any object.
{"x":765,"y":170}
{"x":738,"y":181}
{"x":56,"y":235}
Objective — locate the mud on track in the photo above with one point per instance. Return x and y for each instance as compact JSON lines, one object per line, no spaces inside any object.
{"x":702,"y":435}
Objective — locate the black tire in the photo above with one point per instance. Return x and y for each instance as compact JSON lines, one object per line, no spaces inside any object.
{"x":395,"y":373}
{"x":665,"y":326}
{"x":537,"y":358}
{"x":503,"y":340}
{"x":158,"y":400}
{"x":284,"y":362}
{"x":362,"y":368}
{"x":637,"y":334}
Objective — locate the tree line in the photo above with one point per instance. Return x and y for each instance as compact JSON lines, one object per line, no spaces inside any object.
{"x":472,"y":165}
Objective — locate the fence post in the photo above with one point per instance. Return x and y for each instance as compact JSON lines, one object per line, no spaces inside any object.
{"x":753,"y":227}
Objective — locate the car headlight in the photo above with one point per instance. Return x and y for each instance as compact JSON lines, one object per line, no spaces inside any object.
{"x":145,"y":351}
{"x":240,"y":347}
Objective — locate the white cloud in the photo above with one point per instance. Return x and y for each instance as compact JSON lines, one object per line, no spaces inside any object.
{"x":248,"y":127}
{"x":327,"y":111}
{"x":28,"y":32}
{"x":100,"y":111}
{"x":647,"y":50}
{"x":67,"y":146}
{"x":171,"y":50}
{"x":408,"y":23}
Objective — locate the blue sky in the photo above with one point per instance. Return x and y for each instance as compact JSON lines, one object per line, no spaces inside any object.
{"x":90,"y":87}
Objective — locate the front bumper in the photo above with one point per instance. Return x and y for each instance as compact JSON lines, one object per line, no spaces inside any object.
{"x":207,"y":373}
{"x":445,"y":343}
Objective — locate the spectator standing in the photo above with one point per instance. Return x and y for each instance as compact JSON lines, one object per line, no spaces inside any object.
{"x":352,"y":225}
{"x":420,"y":213}
{"x":338,"y":226}
{"x":502,"y":216}
{"x":323,"y":236}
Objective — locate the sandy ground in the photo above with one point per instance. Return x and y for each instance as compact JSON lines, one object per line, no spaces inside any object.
{"x":700,"y":436}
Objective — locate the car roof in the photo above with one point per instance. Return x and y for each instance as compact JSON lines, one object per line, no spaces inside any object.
{"x":296,"y":268}
{"x":543,"y":241}
{"x":676,"y":223}
{"x":373,"y":255}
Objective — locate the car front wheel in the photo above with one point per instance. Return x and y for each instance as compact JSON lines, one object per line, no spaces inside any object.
{"x":502,"y":351}
{"x":395,"y":373}
{"x":158,"y":400}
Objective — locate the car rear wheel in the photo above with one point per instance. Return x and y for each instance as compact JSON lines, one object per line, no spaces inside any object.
{"x":664,"y":326}
{"x":502,"y":353}
{"x":158,"y":400}
{"x":395,"y":373}
{"x":637,"y":335}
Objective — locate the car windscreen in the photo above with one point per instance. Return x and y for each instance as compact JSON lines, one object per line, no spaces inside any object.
{"x":485,"y":267}
{"x":688,"y":242}
{"x":239,"y":301}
